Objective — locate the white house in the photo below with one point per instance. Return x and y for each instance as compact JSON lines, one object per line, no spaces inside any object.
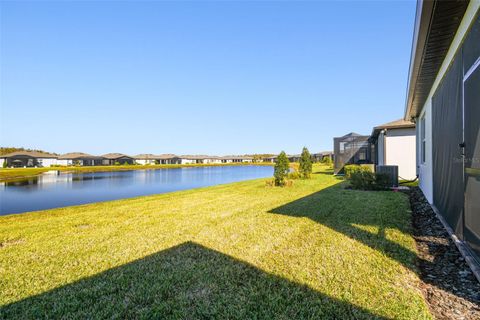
{"x":395,"y":145}
{"x":443,"y":98}
{"x":78,"y":158}
{"x":24,"y":159}
{"x":188,"y":159}
{"x":116,"y":158}
{"x":168,"y":159}
{"x":145,"y":159}
{"x":236,"y":159}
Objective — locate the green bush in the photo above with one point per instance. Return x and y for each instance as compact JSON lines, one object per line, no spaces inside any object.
{"x":305,"y":168}
{"x":351,"y":168}
{"x":281,"y":169}
{"x":293,"y":175}
{"x":327,"y":161}
{"x":5,"y":163}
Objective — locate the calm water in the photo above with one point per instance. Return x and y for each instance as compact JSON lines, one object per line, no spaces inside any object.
{"x":53,"y":190}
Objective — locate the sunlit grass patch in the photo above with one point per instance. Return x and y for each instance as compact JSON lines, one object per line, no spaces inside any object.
{"x":242,"y":250}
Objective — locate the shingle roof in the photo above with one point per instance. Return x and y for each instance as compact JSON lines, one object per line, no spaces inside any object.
{"x":236,"y":158}
{"x":397,"y":124}
{"x":198,"y":157}
{"x":77,"y":155}
{"x":114,"y":155}
{"x":33,"y":154}
{"x":147,"y":156}
{"x":166,"y":156}
{"x":400,"y":123}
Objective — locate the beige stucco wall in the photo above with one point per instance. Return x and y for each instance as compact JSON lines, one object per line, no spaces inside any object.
{"x":400,"y":151}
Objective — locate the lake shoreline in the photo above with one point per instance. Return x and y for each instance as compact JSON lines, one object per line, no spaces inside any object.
{"x":54,"y":189}
{"x":18,"y":174}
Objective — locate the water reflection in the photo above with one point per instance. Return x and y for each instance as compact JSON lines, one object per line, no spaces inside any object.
{"x":56,"y":189}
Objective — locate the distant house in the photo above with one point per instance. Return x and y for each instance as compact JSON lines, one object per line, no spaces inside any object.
{"x":236,"y":159}
{"x":351,"y":148}
{"x":189,"y":159}
{"x":294,"y":158}
{"x":27,"y":159}
{"x":212,"y":159}
{"x":394,"y":144}
{"x":146,"y":159}
{"x":321,"y":156}
{"x":114,"y":158}
{"x":168,"y":159}
{"x":443,"y":98}
{"x":198,"y":159}
{"x":79,"y":158}
{"x":270,"y":159}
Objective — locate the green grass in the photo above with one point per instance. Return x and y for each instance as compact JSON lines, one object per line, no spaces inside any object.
{"x":244,"y":250}
{"x":408,"y":183}
{"x":11,"y":174}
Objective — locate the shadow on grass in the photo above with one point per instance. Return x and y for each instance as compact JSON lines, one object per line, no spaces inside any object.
{"x":188,"y":281}
{"x":346,"y":210}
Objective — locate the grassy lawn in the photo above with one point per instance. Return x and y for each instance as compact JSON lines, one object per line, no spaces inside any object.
{"x":242,"y":250}
{"x":10,"y":174}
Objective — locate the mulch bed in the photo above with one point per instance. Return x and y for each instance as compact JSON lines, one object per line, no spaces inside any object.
{"x":448,"y":285}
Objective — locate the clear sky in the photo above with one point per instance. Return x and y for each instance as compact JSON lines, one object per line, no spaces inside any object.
{"x":199,"y":77}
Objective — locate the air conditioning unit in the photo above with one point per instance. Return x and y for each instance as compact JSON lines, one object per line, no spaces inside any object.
{"x":391,"y":172}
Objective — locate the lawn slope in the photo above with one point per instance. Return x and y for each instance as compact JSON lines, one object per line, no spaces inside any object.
{"x":242,"y":250}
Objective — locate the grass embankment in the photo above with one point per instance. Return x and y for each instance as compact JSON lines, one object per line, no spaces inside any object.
{"x":9,"y":174}
{"x":313,"y":250}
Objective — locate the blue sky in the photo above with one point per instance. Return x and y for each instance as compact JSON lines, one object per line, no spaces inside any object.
{"x":199,"y":77}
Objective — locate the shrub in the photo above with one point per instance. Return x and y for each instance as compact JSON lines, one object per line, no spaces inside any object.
{"x":293,"y":175}
{"x":305,"y":169}
{"x":281,"y":169}
{"x":367,"y":180}
{"x":117,"y":163}
{"x":327,"y":161}
{"x":5,"y":164}
{"x":351,"y":168}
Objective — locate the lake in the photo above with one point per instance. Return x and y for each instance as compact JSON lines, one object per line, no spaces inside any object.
{"x":54,"y":189}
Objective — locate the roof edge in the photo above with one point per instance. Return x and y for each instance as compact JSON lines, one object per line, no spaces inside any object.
{"x":423,"y":18}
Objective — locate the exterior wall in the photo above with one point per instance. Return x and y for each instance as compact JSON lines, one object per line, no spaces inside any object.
{"x":425,"y":170}
{"x":186,"y":161}
{"x":64,"y":162}
{"x":381,"y":149}
{"x":400,"y":150}
{"x":145,"y":161}
{"x":44,"y":162}
{"x":2,"y":160}
{"x":212,"y":161}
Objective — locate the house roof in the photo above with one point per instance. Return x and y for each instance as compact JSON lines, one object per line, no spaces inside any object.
{"x":351,"y":134}
{"x":166,"y":156}
{"x":146,"y":156}
{"x":236,"y":158}
{"x":436,"y":23}
{"x":323,"y":152}
{"x":115,"y":156}
{"x":397,"y":124}
{"x":33,"y":154}
{"x":77,"y":155}
{"x":198,"y":157}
